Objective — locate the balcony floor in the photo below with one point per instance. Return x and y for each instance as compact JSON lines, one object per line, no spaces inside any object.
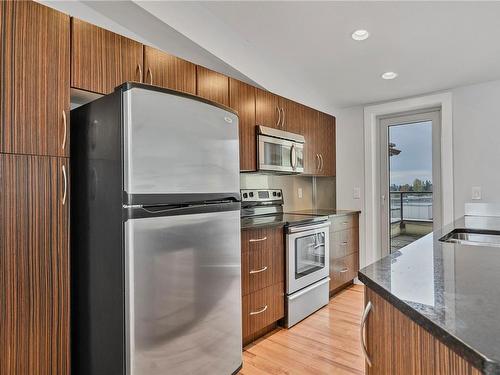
{"x":402,"y":240}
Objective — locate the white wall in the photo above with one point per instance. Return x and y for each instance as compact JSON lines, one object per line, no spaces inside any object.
{"x":350,"y":164}
{"x":476,"y":142}
{"x":476,"y":149}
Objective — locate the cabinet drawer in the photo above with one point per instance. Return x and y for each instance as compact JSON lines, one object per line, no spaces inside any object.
{"x":263,"y":308}
{"x":344,"y":242}
{"x":262,"y":259}
{"x":343,"y":270}
{"x":344,"y":222}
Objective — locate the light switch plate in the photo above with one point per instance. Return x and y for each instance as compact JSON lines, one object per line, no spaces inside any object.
{"x":299,"y":192}
{"x":356,"y":192}
{"x":476,"y":192}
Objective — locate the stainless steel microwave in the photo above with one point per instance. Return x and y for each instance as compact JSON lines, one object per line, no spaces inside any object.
{"x":280,"y":151}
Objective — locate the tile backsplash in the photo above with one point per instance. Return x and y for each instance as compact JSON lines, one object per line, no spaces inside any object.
{"x":317,"y":192}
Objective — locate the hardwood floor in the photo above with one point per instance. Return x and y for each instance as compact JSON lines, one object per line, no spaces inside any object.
{"x":327,"y":342}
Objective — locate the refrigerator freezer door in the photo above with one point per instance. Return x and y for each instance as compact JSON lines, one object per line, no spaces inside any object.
{"x":184,"y":294}
{"x":175,"y":144}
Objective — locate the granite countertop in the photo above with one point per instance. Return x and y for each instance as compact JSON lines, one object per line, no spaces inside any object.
{"x":326,"y":212}
{"x":453,"y":290}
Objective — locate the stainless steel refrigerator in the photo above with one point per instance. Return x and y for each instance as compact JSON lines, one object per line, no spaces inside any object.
{"x":155,"y":219}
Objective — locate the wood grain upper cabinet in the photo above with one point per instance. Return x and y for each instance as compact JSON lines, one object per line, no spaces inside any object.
{"x":310,"y":132}
{"x":267,"y":109}
{"x":162,"y":69}
{"x":34,"y":266}
{"x":101,"y":59}
{"x":242,"y":99}
{"x":294,"y":116}
{"x":212,"y":85}
{"x":327,"y":148}
{"x":34,"y":79}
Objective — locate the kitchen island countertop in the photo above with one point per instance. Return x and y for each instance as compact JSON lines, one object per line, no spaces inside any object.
{"x":450,"y":289}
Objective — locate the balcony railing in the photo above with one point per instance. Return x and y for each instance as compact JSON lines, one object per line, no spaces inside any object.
{"x":411,"y":206}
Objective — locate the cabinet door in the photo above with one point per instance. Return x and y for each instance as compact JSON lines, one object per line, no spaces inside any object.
{"x":310,"y":131}
{"x":34,"y":265}
{"x":327,"y":149}
{"x":212,"y":85}
{"x":162,"y":69}
{"x":397,"y":345}
{"x":267,"y":109}
{"x":263,"y":254}
{"x":294,"y":116}
{"x":102,"y":60}
{"x":34,"y":79}
{"x":242,"y":99}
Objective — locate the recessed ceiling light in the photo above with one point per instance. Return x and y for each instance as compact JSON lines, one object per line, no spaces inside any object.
{"x":389,"y":75}
{"x":360,"y":35}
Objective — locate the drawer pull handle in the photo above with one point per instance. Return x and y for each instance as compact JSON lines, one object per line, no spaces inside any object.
{"x":343,"y":243}
{"x":257,"y":239}
{"x":362,"y":330}
{"x":258,"y":271}
{"x":258,"y":311}
{"x":345,"y":222}
{"x":343,"y":270}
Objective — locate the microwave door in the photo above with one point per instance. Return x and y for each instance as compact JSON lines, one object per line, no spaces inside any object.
{"x":275,"y":154}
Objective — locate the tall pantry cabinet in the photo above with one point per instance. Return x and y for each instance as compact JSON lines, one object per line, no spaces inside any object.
{"x":34,"y":189}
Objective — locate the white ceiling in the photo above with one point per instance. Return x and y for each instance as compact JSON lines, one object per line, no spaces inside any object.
{"x":303,"y":50}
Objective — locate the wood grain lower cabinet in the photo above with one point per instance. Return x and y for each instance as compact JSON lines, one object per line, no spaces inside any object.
{"x":397,"y":345}
{"x":34,"y":79}
{"x":102,"y":60}
{"x":171,"y":72}
{"x":344,"y":250}
{"x":212,"y":85}
{"x":34,"y":265}
{"x":261,"y":309}
{"x":242,"y":100}
{"x":343,"y":270}
{"x":263,"y":276}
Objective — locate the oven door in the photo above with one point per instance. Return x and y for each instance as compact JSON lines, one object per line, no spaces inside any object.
{"x":307,"y":255}
{"x":280,"y":155}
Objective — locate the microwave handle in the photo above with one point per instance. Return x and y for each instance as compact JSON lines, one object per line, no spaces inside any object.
{"x":293,"y":157}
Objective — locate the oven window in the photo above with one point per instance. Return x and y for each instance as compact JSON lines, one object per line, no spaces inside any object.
{"x":272,"y":154}
{"x":309,"y":254}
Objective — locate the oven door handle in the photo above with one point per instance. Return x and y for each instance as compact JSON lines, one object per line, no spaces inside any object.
{"x":323,"y":224}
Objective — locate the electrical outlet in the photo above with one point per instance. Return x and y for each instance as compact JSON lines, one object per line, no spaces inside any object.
{"x":299,"y":192}
{"x":356,"y":192}
{"x":476,"y":192}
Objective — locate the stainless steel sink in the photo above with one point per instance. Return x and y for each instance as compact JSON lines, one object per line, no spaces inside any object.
{"x":473,"y":237}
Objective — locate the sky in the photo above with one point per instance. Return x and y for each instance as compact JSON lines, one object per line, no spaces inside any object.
{"x":415,"y":160}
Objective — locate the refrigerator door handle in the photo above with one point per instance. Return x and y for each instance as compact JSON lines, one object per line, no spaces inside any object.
{"x":138,"y":211}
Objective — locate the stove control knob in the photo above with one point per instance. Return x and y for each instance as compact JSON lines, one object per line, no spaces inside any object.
{"x":279,"y":194}
{"x":245,"y":195}
{"x":274,"y":193}
{"x":251,"y":194}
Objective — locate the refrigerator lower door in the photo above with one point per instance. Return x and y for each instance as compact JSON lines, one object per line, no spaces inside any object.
{"x":184,"y":294}
{"x":174,"y":144}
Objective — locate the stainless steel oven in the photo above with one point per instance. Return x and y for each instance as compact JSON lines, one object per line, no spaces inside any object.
{"x":307,"y":255}
{"x":280,"y":151}
{"x":307,"y":270}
